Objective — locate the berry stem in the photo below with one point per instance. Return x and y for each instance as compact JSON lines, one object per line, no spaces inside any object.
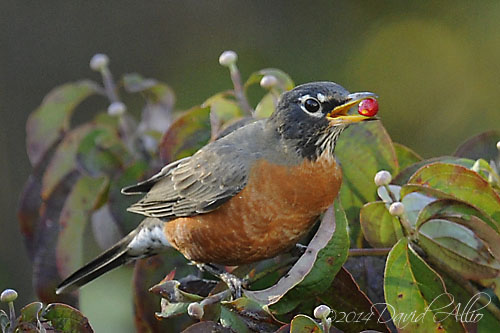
{"x":391,"y":195}
{"x":215,"y":125}
{"x":326,"y":324}
{"x":109,"y":85}
{"x":239,"y":93}
{"x":407,"y":227}
{"x":12,"y":313}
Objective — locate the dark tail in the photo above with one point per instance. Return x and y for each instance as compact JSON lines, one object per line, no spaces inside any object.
{"x":146,"y":240}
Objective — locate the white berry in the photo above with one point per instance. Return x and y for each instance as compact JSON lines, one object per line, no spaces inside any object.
{"x":268,"y":81}
{"x":195,"y":310}
{"x":116,"y":109}
{"x":8,"y":295}
{"x":99,"y":61}
{"x":322,"y":311}
{"x":383,"y":178}
{"x":396,"y":209}
{"x":228,"y":58}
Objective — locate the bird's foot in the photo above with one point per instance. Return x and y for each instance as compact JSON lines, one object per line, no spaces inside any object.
{"x":234,"y":283}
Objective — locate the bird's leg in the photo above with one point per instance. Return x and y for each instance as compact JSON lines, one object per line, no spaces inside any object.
{"x":234,"y":283}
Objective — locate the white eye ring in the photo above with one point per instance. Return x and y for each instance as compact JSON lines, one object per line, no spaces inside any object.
{"x":304,"y":99}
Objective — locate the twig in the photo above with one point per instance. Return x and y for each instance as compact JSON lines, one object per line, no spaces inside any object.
{"x":383,"y":251}
{"x":216,"y":297}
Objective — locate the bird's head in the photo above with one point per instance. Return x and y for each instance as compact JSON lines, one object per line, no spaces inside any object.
{"x":311,"y":116}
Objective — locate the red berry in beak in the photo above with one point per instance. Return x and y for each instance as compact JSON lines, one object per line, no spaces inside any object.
{"x":368,"y":107}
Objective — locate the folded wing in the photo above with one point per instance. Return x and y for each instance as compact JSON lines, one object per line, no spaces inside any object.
{"x":193,"y":185}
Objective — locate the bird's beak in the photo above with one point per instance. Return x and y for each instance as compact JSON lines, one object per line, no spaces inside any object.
{"x":339,"y":114}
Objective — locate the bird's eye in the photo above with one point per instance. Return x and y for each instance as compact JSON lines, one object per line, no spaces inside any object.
{"x":312,"y":105}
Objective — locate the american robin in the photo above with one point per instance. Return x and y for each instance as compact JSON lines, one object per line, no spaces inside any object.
{"x":247,"y":196}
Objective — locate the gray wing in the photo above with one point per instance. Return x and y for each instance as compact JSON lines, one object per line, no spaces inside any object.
{"x":193,"y":185}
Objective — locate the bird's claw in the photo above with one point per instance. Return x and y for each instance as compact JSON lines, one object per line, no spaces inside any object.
{"x":234,"y":283}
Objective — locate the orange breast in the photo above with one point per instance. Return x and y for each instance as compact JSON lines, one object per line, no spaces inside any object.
{"x":276,"y":208}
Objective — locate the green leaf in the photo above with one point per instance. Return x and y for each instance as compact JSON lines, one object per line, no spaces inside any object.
{"x":458,"y":239}
{"x":303,"y":323}
{"x":153,"y":90}
{"x":480,"y":146}
{"x":414,"y":202}
{"x":457,"y":259}
{"x":118,"y":203}
{"x":4,"y":320}
{"x":432,"y":193}
{"x":315,"y":269}
{"x":28,"y":212}
{"x":160,"y":99}
{"x":66,"y":318}
{"x":207,"y":326}
{"x":73,"y":152}
{"x":52,"y":118}
{"x":405,"y":174}
{"x":380,"y":228}
{"x":186,"y":135}
{"x":31,"y":312}
{"x":463,"y":224}
{"x":345,"y":298}
{"x":461,"y":183}
{"x":231,"y":320}
{"x":170,"y":310}
{"x":63,"y":161}
{"x":244,"y":314}
{"x":494,"y":288}
{"x":266,"y":106}
{"x":488,"y":171}
{"x":433,"y":290}
{"x":386,"y":196}
{"x":363,"y":150}
{"x":226,"y":109}
{"x":29,"y":320}
{"x":446,"y":208}
{"x":75,"y":215}
{"x":411,"y":286}
{"x":170,"y":291}
{"x":469,"y":311}
{"x":46,"y":276}
{"x":284,"y":81}
{"x":101,"y":152}
{"x":406,"y":156}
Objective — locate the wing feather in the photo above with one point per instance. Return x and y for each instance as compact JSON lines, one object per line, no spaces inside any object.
{"x":193,"y":185}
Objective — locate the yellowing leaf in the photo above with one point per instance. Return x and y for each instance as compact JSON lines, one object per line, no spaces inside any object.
{"x":380,"y":228}
{"x":458,"y":182}
{"x":52,"y":118}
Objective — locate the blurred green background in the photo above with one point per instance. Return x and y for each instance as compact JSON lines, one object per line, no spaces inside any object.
{"x":435,"y":66}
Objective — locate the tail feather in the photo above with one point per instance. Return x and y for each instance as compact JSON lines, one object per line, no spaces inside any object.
{"x":112,"y":258}
{"x":145,"y":241}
